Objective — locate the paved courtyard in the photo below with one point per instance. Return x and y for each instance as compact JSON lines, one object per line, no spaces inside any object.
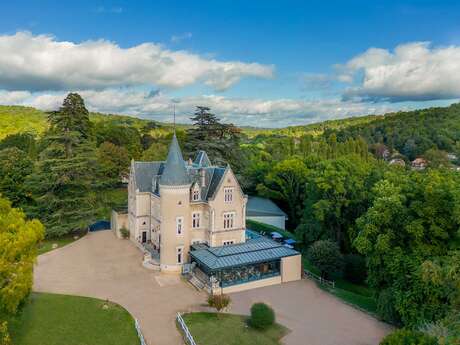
{"x":314,"y":316}
{"x":99,"y":265}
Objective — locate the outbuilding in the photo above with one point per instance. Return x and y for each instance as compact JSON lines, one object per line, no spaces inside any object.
{"x":265,"y":211}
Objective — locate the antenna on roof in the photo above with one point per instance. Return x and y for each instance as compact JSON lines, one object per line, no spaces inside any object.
{"x":174,"y":118}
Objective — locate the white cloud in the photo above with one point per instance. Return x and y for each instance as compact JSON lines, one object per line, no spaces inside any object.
{"x":13,"y":97}
{"x":242,"y":111}
{"x":42,"y":63}
{"x":412,"y":72}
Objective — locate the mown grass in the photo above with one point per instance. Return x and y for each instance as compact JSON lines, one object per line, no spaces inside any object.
{"x":360,"y":296}
{"x":228,"y":329}
{"x":50,"y":319}
{"x":47,"y":244}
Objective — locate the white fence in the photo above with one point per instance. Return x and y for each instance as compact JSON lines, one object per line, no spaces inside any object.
{"x":139,"y":332}
{"x":183,"y":326}
{"x":319,"y":279}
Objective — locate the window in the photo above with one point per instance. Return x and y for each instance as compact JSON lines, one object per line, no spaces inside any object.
{"x":228,"y":194}
{"x":196,"y":195}
{"x":228,"y":220}
{"x":179,"y":225}
{"x":195,"y":220}
{"x":227,"y":243}
{"x":179,"y":252}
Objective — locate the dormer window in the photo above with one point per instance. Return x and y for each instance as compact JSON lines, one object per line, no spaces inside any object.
{"x":196,"y":195}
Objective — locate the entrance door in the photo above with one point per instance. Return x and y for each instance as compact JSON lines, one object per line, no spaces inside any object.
{"x":144,"y":236}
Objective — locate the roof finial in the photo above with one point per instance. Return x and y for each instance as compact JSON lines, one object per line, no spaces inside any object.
{"x":174,"y":118}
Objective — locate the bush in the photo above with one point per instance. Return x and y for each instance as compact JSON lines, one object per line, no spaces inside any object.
{"x":408,"y":337}
{"x":355,"y":268}
{"x":124,"y":233}
{"x":4,"y":334}
{"x":325,"y":255}
{"x":218,"y":302}
{"x":262,"y":316}
{"x":386,"y":307}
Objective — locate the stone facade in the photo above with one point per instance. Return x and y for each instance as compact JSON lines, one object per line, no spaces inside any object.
{"x":174,"y":204}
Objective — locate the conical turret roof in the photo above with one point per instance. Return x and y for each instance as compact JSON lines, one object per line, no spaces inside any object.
{"x":175,"y":172}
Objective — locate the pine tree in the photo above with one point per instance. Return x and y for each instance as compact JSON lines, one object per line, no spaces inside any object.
{"x":219,"y":140}
{"x":61,"y":184}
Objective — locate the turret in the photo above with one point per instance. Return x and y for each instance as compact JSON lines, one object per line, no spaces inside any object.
{"x":175,"y":210}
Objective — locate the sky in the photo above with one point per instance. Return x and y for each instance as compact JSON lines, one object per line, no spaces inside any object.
{"x":255,"y":63}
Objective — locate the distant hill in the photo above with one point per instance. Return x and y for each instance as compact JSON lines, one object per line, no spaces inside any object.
{"x":411,"y":132}
{"x":18,"y":119}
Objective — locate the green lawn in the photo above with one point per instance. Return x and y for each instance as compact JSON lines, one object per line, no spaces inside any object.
{"x":360,"y":296}
{"x":50,"y":319}
{"x":227,"y":329}
{"x":47,"y":244}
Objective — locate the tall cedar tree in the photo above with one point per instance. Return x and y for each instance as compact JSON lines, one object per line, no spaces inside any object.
{"x":219,"y":140}
{"x":61,"y":184}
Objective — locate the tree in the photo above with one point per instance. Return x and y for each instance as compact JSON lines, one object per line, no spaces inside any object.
{"x":15,"y":166}
{"x":219,"y":302}
{"x":337,"y":194}
{"x":437,"y":158}
{"x":156,"y":152}
{"x":219,"y":140}
{"x":408,"y":337}
{"x":61,"y":184}
{"x":325,"y":255}
{"x":22,"y":141}
{"x":72,"y":116}
{"x":18,"y":250}
{"x":286,"y":182}
{"x":413,"y":218}
{"x":122,"y":135}
{"x":113,"y":161}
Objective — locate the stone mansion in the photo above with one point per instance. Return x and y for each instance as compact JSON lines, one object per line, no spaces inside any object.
{"x":193,"y":214}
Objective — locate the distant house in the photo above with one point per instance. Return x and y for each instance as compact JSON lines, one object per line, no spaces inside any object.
{"x":419,"y":164}
{"x":397,"y":161}
{"x":265,"y":211}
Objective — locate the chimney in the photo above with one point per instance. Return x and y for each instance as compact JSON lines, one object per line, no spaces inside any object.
{"x":190,"y":161}
{"x":202,"y":177}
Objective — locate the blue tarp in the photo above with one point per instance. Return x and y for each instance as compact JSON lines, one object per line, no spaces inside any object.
{"x":100,"y":225}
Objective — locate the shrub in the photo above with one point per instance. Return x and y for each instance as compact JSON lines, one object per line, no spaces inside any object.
{"x":408,"y":337}
{"x":355,"y":268}
{"x":325,"y":255}
{"x":4,"y":334}
{"x":219,"y":302}
{"x":124,"y":233}
{"x":386,"y":307}
{"x":262,"y":316}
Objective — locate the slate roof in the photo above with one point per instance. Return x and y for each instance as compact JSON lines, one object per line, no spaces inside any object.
{"x":256,"y":250}
{"x":202,"y":159}
{"x":259,"y":207}
{"x":176,"y":171}
{"x":144,"y":172}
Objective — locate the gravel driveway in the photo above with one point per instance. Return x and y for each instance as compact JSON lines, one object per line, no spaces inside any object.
{"x":314,"y":316}
{"x":102,"y":266}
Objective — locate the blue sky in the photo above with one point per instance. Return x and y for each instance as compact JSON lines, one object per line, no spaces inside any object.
{"x":266,"y":63}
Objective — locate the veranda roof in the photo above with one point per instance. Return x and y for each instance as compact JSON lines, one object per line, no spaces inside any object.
{"x":253,"y":251}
